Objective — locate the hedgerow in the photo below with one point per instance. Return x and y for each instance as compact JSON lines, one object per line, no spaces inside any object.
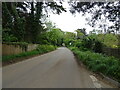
{"x":109,"y":66}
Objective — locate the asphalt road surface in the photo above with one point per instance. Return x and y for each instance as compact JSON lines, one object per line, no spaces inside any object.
{"x":56,"y":69}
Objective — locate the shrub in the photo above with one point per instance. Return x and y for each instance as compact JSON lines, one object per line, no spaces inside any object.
{"x":45,"y":48}
{"x":77,"y":43}
{"x":97,"y":47}
{"x":87,"y":43}
{"x":9,"y":38}
{"x":96,"y":62}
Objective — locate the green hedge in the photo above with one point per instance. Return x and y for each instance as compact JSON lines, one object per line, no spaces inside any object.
{"x":40,"y":50}
{"x":45,"y":48}
{"x":96,"y":62}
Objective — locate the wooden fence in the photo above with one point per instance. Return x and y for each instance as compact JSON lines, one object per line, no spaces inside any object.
{"x":111,"y":52}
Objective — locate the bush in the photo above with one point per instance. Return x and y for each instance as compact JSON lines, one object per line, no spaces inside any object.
{"x":9,"y":38}
{"x":77,"y":43}
{"x":87,"y":43}
{"x":109,"y":40}
{"x":96,"y":62}
{"x":97,"y":47}
{"x":45,"y":48}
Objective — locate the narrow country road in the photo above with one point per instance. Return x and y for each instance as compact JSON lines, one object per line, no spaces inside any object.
{"x":57,"y":69}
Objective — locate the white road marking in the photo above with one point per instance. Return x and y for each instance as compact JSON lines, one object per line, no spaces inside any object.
{"x":95,"y":82}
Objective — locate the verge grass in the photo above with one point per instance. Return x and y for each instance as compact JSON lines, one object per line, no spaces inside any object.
{"x":96,"y":62}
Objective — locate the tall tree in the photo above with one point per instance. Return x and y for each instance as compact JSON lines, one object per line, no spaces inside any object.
{"x":81,"y":33}
{"x":24,"y":18}
{"x":12,"y":23}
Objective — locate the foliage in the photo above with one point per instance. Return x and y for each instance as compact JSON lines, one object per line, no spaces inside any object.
{"x":96,"y":42}
{"x":53,"y":36}
{"x":89,"y":43}
{"x":56,"y":37}
{"x":12,"y":20}
{"x":81,"y":33}
{"x":68,"y":42}
{"x":99,"y":63}
{"x":9,"y":38}
{"x":98,"y":10}
{"x":69,"y":35}
{"x":109,"y":40}
{"x":23,"y":19}
{"x":97,"y":47}
{"x":77,"y":43}
{"x":45,"y":48}
{"x":49,"y":25}
{"x":69,"y":38}
{"x":118,"y":36}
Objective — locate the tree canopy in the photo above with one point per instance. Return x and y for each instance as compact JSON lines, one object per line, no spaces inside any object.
{"x":99,"y":10}
{"x":22,"y":20}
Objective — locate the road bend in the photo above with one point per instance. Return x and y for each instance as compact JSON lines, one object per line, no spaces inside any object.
{"x":56,"y":69}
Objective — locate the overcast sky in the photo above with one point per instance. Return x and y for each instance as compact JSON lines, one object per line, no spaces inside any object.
{"x":68,"y":22}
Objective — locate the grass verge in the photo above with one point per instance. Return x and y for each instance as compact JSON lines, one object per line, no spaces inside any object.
{"x":99,"y":63}
{"x":24,"y":54}
{"x":41,"y":49}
